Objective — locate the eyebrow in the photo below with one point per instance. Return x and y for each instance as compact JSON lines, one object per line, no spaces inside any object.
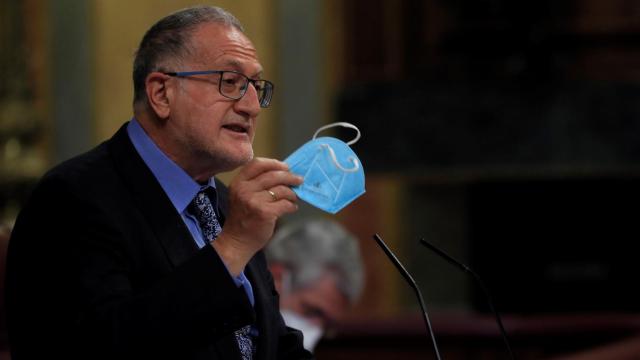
{"x":237,"y":66}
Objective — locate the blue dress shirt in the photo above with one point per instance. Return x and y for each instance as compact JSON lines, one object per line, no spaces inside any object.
{"x":179,"y":187}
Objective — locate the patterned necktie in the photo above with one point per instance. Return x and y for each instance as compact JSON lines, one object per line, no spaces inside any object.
{"x":202,"y":209}
{"x":245,"y":342}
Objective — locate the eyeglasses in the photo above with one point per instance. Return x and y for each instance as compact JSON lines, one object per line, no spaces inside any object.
{"x":234,"y":85}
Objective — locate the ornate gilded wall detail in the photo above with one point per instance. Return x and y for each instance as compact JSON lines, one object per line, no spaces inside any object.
{"x":22,"y":119}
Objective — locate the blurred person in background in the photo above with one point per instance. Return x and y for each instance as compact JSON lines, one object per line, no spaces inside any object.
{"x":318,"y":272}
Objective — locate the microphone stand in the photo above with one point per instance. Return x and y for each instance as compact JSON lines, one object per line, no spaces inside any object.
{"x":413,"y":285}
{"x":466,"y":269}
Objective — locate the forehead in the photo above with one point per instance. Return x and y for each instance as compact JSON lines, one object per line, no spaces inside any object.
{"x":225,"y":48}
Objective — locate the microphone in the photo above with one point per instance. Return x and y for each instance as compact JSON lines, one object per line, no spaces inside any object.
{"x":466,"y":269}
{"x":413,"y":285}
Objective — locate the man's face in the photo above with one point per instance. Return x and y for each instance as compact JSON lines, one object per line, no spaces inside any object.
{"x":321,"y":303}
{"x":209,"y":133}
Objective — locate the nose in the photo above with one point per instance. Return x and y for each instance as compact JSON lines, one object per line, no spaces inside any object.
{"x":249,"y":104}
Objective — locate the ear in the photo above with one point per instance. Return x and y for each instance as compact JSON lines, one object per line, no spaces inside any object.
{"x":277,"y":270}
{"x":158,"y":94}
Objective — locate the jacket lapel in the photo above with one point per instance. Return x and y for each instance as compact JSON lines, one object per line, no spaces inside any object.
{"x":261,"y":295}
{"x":172,"y":233}
{"x":151,"y":199}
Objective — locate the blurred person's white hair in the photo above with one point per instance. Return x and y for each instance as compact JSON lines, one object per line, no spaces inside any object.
{"x":312,"y":248}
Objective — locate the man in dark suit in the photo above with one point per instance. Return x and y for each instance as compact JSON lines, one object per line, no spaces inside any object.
{"x":134,"y":250}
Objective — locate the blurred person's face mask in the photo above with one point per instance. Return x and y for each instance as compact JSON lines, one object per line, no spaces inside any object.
{"x":333,"y":175}
{"x":312,"y":333}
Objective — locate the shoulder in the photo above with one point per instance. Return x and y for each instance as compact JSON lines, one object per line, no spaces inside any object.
{"x":91,"y":174}
{"x":82,"y":167}
{"x":87,"y":172}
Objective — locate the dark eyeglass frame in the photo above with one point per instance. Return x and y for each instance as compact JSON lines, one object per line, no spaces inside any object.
{"x":263,"y":87}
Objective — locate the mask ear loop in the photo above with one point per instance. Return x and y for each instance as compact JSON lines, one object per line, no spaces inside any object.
{"x":356,"y":164}
{"x":343,"y":124}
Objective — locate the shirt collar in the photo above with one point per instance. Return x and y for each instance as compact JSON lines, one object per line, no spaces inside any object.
{"x":176,"y":183}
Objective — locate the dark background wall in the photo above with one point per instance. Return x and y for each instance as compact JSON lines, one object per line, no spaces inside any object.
{"x":514,"y":129}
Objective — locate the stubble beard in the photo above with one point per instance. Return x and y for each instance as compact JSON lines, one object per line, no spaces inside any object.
{"x":221,"y":160}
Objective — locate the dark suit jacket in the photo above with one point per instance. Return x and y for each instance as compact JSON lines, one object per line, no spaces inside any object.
{"x":101,"y":266}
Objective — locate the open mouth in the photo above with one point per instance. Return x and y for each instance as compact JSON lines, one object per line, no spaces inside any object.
{"x":236,"y":128}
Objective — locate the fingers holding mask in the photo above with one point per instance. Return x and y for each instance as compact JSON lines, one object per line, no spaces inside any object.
{"x":259,"y":195}
{"x":265,"y":174}
{"x":271,"y":178}
{"x":258,"y":166}
{"x":278,"y":193}
{"x":281,"y":193}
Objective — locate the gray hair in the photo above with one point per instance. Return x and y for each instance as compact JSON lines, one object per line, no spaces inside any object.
{"x":168,"y":40}
{"x":314,"y":247}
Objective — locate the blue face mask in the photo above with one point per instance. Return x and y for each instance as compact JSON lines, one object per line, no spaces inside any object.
{"x":333,"y":175}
